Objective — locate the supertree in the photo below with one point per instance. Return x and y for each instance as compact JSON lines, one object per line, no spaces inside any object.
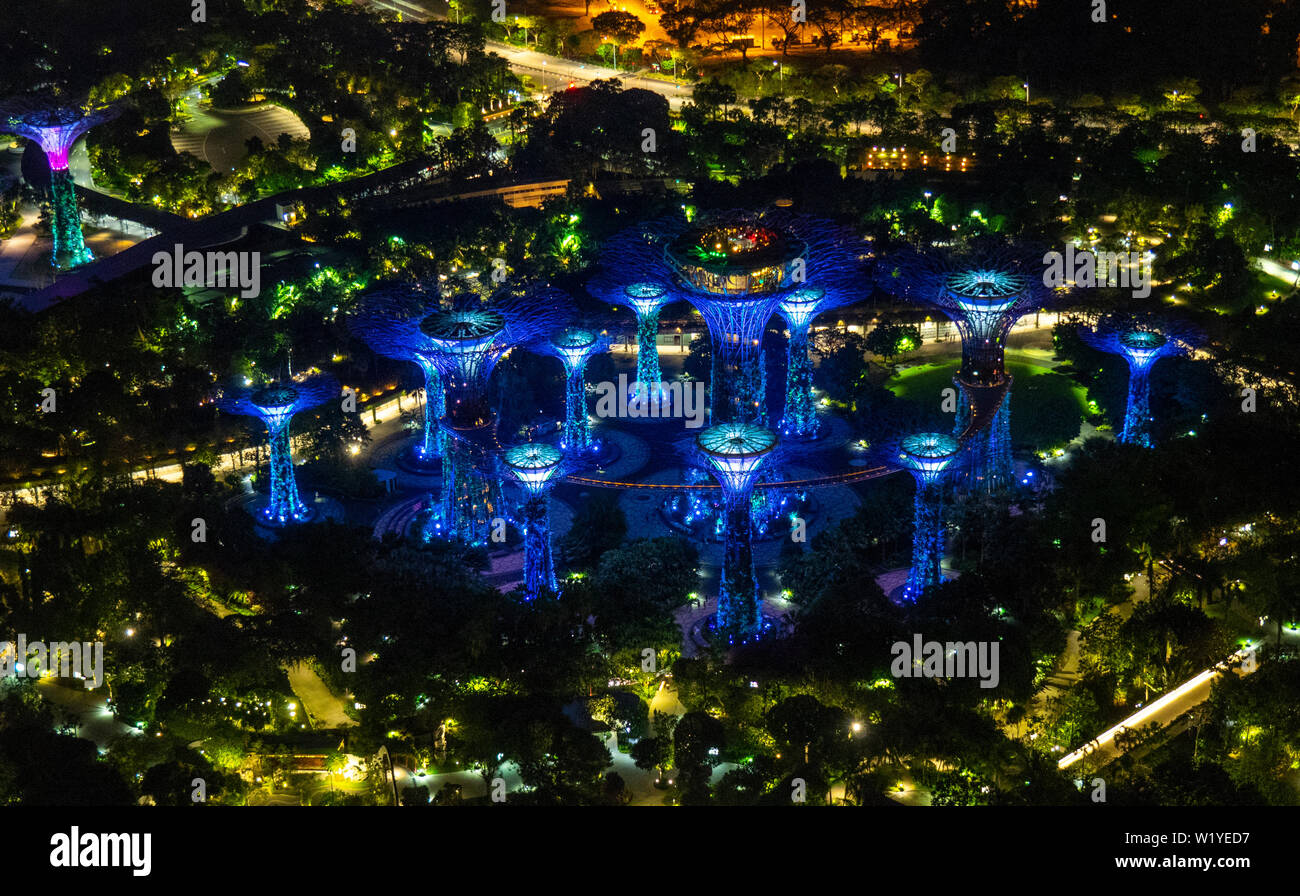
{"x":276,"y":405}
{"x":384,"y":320}
{"x":55,"y":127}
{"x":734,"y":454}
{"x":799,"y":308}
{"x":984,"y":290}
{"x":927,"y":456}
{"x":535,"y":468}
{"x":1142,"y":342}
{"x":632,"y":275}
{"x":466,"y":337}
{"x":575,"y":346}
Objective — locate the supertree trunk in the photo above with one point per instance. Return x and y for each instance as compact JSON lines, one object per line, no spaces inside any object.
{"x":434,"y":440}
{"x":1000,"y":466}
{"x":800,"y":419}
{"x":739,"y":387}
{"x":738,"y":597}
{"x":285,"y":504}
{"x":647,"y":349}
{"x":1137,"y":414}
{"x":577,"y":433}
{"x":927,"y":539}
{"x":470,"y":499}
{"x":69,"y":244}
{"x":539,"y":564}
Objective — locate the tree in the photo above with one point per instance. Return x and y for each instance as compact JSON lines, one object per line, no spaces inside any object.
{"x":618,"y":26}
{"x":652,"y":753}
{"x":889,"y":340}
{"x":598,"y":526}
{"x":779,"y":14}
{"x":697,"y":742}
{"x":712,"y":94}
{"x":806,"y":726}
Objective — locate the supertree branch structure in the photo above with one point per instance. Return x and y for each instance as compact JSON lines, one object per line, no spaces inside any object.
{"x":535,"y":468}
{"x":385,"y":321}
{"x":55,"y":128}
{"x":276,"y":405}
{"x":983,"y":290}
{"x":1141,"y":341}
{"x":575,"y":346}
{"x":734,"y":454}
{"x":927,"y":456}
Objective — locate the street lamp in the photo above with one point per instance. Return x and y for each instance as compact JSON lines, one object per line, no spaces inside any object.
{"x":1026,"y":86}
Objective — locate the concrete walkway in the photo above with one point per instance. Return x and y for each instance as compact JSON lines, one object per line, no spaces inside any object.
{"x":323,"y":709}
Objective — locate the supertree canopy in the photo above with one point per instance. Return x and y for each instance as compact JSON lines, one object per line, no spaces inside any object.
{"x":535,"y":468}
{"x":734,"y":453}
{"x":927,"y":456}
{"x":385,"y":321}
{"x":575,"y":346}
{"x":1142,"y":342}
{"x":276,"y":405}
{"x":55,"y":127}
{"x":984,"y":290}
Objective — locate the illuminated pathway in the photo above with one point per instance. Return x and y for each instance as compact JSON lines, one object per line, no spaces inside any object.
{"x":1103,"y":749}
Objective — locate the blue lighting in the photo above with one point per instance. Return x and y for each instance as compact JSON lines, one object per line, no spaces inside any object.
{"x":276,"y":406}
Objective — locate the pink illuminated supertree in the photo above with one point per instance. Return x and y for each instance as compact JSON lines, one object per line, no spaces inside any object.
{"x":55,"y":128}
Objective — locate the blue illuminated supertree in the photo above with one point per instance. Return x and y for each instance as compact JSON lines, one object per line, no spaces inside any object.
{"x":55,"y":127}
{"x":466,"y":341}
{"x":275,"y":405}
{"x":535,"y":468}
{"x":984,"y":291}
{"x":575,"y":346}
{"x":632,"y":274}
{"x":734,"y":454}
{"x":799,"y":307}
{"x":387,"y":319}
{"x":927,"y":456}
{"x":1142,"y":342}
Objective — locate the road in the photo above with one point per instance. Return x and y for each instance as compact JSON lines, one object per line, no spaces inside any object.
{"x":550,"y":72}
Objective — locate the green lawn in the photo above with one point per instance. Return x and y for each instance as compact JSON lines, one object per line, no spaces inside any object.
{"x":924,"y":385}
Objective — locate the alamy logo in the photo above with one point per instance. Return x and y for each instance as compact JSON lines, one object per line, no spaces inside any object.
{"x":1088,"y":269}
{"x":951,"y":659}
{"x":655,"y":400}
{"x":217,"y":269}
{"x":31,"y":659}
{"x":78,"y":850}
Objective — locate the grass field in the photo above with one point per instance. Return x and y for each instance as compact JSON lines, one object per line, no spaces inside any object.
{"x":923,"y":386}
